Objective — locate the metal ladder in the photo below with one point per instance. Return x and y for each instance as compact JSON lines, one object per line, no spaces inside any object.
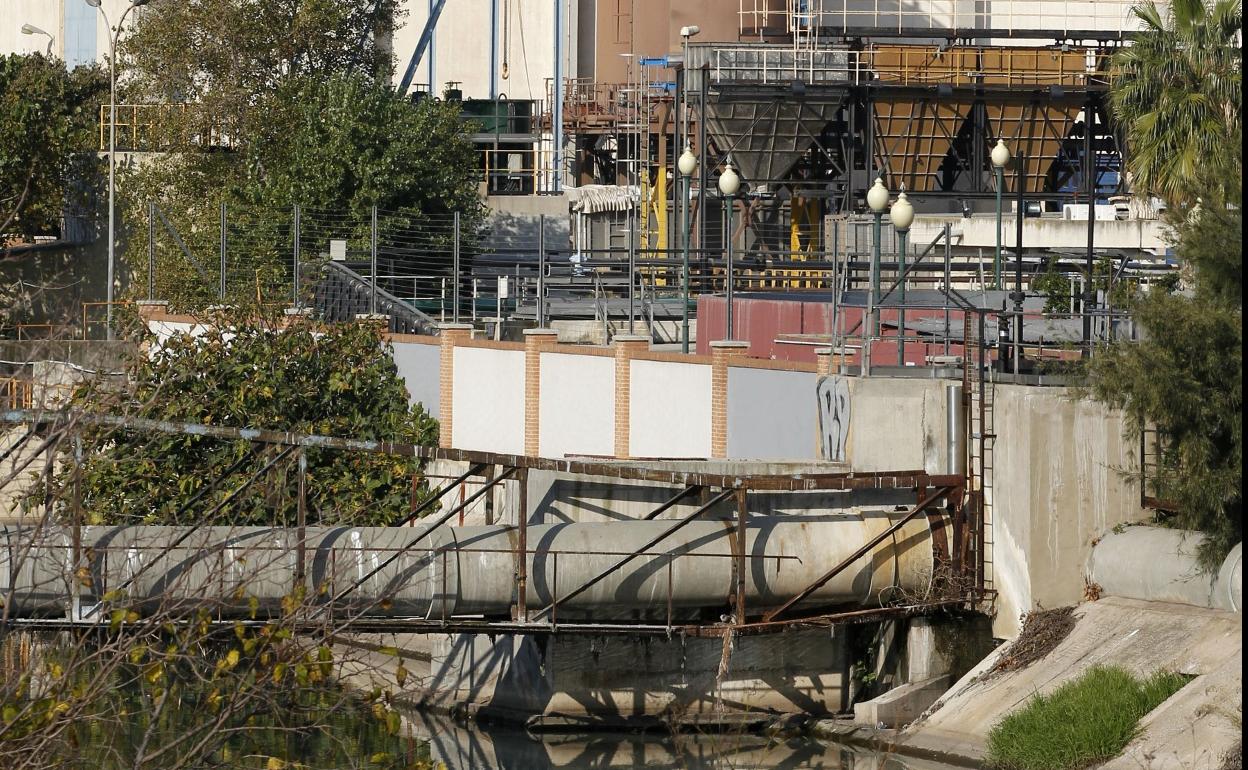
{"x":978,"y":381}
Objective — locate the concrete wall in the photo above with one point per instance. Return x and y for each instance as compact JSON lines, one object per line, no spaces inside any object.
{"x":462,"y":42}
{"x":897,"y":424}
{"x":1144,"y":234}
{"x":418,"y":366}
{"x":1058,"y":485}
{"x":571,"y":680}
{"x":80,"y":37}
{"x":772,"y":414}
{"x":577,"y":408}
{"x":671,"y":410}
{"x":489,"y":400}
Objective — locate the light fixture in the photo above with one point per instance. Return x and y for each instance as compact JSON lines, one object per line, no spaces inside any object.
{"x":1000,"y":154}
{"x":902,"y":214}
{"x":877,"y":196}
{"x":729,"y":182}
{"x":31,"y":29}
{"x":690,"y":30}
{"x":687,"y":163}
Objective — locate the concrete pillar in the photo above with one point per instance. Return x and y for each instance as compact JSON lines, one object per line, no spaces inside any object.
{"x":535,"y":342}
{"x":451,"y":335}
{"x":626,"y":346}
{"x":722,"y":354}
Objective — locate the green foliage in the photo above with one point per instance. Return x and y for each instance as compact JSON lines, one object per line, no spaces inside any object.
{"x":299,"y":92}
{"x":47,"y":128}
{"x":1085,"y":721}
{"x":335,"y":380}
{"x":1055,"y":285}
{"x":1178,"y":94}
{"x":1186,"y":380}
{"x":148,"y":694}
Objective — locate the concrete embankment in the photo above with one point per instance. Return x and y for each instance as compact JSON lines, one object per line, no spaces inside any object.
{"x":1192,"y":729}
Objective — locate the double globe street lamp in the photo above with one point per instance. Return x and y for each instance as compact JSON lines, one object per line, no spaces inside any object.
{"x":902,"y":216}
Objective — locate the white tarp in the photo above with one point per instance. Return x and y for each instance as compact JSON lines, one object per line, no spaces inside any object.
{"x":596,"y":198}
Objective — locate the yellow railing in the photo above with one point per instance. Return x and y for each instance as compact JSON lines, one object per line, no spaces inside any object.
{"x":524,"y":171}
{"x":160,"y":127}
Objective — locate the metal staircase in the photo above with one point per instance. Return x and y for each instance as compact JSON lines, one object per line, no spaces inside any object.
{"x":340,"y":294}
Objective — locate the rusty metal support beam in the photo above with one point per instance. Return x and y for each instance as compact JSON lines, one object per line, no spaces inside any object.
{"x":415,"y":514}
{"x":679,"y":523}
{"x":681,"y":495}
{"x":743,"y":515}
{"x":862,"y":550}
{"x":522,"y":549}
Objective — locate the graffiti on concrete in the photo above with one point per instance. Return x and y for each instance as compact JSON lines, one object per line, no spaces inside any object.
{"x":833,"y":393}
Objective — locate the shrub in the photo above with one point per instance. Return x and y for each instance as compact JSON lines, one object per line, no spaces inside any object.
{"x":1087,"y":720}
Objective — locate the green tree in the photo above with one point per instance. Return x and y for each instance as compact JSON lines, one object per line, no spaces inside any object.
{"x":336,"y":380}
{"x":47,"y":129}
{"x":1185,"y":378}
{"x":295,"y":97}
{"x":1178,"y":95}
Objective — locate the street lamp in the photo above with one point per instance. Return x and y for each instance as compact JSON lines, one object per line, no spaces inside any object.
{"x":877,"y":201}
{"x":112,"y":149}
{"x":686,"y":165}
{"x":1000,"y":157}
{"x":31,"y":29}
{"x":729,"y":183}
{"x":902,"y":216}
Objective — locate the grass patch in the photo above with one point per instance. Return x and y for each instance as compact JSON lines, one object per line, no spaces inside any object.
{"x":1087,"y":720}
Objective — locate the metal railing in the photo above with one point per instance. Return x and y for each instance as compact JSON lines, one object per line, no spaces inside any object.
{"x":156,"y":127}
{"x":812,"y":17}
{"x":913,"y":65}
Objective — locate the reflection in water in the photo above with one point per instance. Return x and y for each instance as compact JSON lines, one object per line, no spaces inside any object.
{"x":492,"y":747}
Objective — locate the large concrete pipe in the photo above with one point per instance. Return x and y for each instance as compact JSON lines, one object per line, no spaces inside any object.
{"x":466,"y":571}
{"x":785,"y":555}
{"x":1228,"y":589}
{"x":1156,"y":564}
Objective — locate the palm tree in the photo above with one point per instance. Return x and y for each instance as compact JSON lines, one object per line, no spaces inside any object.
{"x":1177,"y":93}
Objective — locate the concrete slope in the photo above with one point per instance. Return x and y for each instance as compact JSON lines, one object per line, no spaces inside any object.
{"x":1192,"y":729}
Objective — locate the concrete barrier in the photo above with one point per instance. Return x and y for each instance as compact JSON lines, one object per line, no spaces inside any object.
{"x":1155,"y":564}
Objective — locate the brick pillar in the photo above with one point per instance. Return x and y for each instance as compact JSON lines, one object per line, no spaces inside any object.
{"x":151,"y":308}
{"x":626,"y":346}
{"x":824,"y":362}
{"x":535,"y":342}
{"x":722,"y":353}
{"x":451,"y":335}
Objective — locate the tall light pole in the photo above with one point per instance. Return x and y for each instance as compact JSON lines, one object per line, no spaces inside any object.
{"x":877,"y":201}
{"x":1000,"y":157}
{"x":902,"y":216}
{"x":112,"y":150}
{"x":729,"y":183}
{"x":31,"y":29}
{"x":686,"y":165}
